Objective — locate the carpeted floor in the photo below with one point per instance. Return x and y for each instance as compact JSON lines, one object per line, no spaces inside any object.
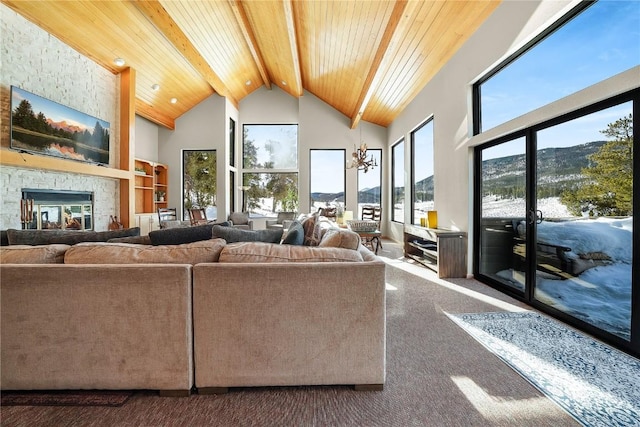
{"x":437,"y":375}
{"x":66,"y":398}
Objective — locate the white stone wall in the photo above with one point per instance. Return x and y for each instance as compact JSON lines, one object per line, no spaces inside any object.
{"x":35,"y":61}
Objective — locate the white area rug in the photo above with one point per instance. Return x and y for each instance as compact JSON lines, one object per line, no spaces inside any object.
{"x":597,"y":384}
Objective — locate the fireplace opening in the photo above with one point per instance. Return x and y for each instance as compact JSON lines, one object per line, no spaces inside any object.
{"x":56,"y":209}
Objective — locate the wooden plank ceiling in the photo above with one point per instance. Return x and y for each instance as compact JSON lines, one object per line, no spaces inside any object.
{"x":367,"y":59}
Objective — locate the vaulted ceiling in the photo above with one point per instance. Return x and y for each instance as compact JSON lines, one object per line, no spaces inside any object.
{"x":367,"y":59}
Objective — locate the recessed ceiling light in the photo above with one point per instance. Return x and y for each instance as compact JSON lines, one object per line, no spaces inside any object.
{"x":284,"y":83}
{"x":248,"y":82}
{"x":119,"y":62}
{"x":174,"y":100}
{"x":155,"y":86}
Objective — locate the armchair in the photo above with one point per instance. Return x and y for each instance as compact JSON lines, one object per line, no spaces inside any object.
{"x":283,"y":220}
{"x":241,"y":220}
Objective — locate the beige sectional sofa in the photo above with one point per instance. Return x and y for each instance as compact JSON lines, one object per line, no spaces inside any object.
{"x":120,"y":316}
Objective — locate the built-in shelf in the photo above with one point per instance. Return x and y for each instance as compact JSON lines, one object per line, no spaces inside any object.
{"x":150,"y":179}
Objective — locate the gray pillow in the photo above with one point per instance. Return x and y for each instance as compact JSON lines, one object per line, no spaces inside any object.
{"x":182,"y":235}
{"x":179,"y":236}
{"x":295,"y":235}
{"x":232,"y":235}
{"x":66,"y":237}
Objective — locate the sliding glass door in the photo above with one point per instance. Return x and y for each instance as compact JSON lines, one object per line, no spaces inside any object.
{"x":554,"y":214}
{"x":584,"y":229}
{"x":502,"y":213}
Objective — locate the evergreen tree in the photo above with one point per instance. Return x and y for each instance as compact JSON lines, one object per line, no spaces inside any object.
{"x":200,"y":182}
{"x":607,"y":189}
{"x":23,"y":115}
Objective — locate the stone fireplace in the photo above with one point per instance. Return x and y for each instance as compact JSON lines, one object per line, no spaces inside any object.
{"x":56,"y":209}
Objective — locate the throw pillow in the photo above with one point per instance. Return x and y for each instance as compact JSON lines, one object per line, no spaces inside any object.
{"x":126,"y":253}
{"x":321,"y":226}
{"x":231,"y":235}
{"x":181,"y":235}
{"x":265,"y":252}
{"x":66,"y":237}
{"x":339,"y":238}
{"x":309,"y":225}
{"x":26,"y":254}
{"x":295,"y":234}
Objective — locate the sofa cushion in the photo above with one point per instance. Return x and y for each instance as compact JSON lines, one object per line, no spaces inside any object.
{"x":232,"y":234}
{"x":295,"y":234}
{"x":267,"y":252}
{"x":340,"y":238}
{"x":27,"y":254}
{"x":66,"y":237}
{"x":127,"y":253}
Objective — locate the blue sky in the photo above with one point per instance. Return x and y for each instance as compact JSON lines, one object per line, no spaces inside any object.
{"x":55,"y":111}
{"x":602,"y":41}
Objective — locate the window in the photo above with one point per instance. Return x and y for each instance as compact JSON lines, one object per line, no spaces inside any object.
{"x":590,"y":44}
{"x":232,"y":142}
{"x":232,"y":190}
{"x":370,"y":183}
{"x":199,"y":181}
{"x":397,"y":181}
{"x":422,"y":170}
{"x":327,"y":175}
{"x":270,"y":168}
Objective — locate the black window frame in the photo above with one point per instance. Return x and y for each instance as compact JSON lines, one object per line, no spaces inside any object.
{"x":393,"y":178}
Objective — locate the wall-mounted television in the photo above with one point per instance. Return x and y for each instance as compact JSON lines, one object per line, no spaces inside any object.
{"x":42,"y":126}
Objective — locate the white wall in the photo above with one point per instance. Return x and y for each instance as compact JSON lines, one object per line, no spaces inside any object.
{"x":146,"y":140}
{"x":37,"y":62}
{"x":204,"y":127}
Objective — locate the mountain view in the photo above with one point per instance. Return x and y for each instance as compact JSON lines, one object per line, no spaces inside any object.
{"x":557,"y":169}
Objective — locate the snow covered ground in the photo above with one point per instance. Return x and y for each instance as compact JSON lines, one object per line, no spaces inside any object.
{"x":600,"y":295}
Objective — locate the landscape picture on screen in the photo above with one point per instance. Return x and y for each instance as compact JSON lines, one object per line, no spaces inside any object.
{"x":41,"y":126}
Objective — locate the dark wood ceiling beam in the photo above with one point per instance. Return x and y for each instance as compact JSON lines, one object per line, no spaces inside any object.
{"x":377,"y":67}
{"x":293,"y":43}
{"x":250,"y":38}
{"x":158,"y":16}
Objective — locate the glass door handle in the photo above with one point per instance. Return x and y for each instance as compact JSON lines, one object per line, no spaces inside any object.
{"x":535,"y":216}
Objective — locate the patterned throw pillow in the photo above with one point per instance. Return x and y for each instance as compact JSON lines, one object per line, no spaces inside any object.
{"x":309,"y":225}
